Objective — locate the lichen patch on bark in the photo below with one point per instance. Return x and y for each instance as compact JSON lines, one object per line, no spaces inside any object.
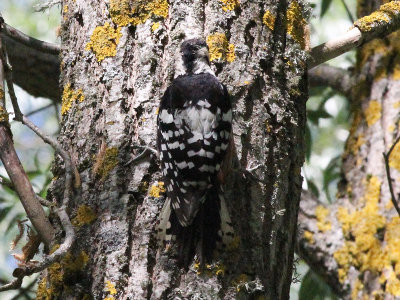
{"x":269,"y":20}
{"x":157,"y":189}
{"x":69,"y":97}
{"x":394,"y":159}
{"x":229,"y":4}
{"x":321,"y":213}
{"x":373,"y":112}
{"x":104,"y":41}
{"x":362,"y":249}
{"x":105,"y":162}
{"x":296,"y":23}
{"x":84,"y":215}
{"x":382,"y":15}
{"x":219,"y":47}
{"x":124,"y":12}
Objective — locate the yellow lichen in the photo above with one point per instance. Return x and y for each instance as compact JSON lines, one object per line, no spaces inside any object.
{"x":3,"y":114}
{"x":392,"y":284}
{"x":296,"y":23}
{"x":358,"y":286}
{"x":394,"y":159}
{"x":120,"y":11}
{"x":71,"y":263}
{"x":373,"y":112}
{"x":65,"y":9}
{"x":155,"y":26}
{"x":219,"y":47}
{"x":321,"y":213}
{"x":269,"y":20}
{"x":378,"y":17}
{"x":110,"y":288}
{"x":230,"y":55}
{"x":52,"y":285}
{"x":124,"y":12}
{"x":69,"y":97}
{"x":229,"y":4}
{"x":104,"y":41}
{"x":396,"y":70}
{"x":376,"y":46}
{"x":157,"y":189}
{"x":362,"y":248}
{"x":106,"y":162}
{"x":309,"y":236}
{"x":84,"y":215}
{"x":391,"y":128}
{"x":42,"y":292}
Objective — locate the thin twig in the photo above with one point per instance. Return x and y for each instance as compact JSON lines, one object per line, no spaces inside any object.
{"x":386,"y":158}
{"x":30,"y":269}
{"x":145,"y":153}
{"x":38,"y":110}
{"x":337,"y":78}
{"x":25,"y":290}
{"x":69,"y":168}
{"x":6,"y":182}
{"x":46,"y":5}
{"x":15,"y":171}
{"x":44,"y":202}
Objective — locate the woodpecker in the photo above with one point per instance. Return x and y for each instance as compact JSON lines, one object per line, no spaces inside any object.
{"x":193,"y":136}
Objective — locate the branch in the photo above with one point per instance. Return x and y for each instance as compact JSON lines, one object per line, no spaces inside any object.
{"x":36,"y":64}
{"x":69,"y":167}
{"x":16,"y":172}
{"x":31,"y":268}
{"x":389,"y":177}
{"x":29,"y":41}
{"x":377,"y":25}
{"x":336,"y":78}
{"x":47,"y":5}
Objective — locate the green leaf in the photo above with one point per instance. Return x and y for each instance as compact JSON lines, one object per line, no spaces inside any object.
{"x":33,"y":174}
{"x":314,"y":288}
{"x":331,"y":173}
{"x":313,"y":188}
{"x":325,"y":6}
{"x":314,"y":115}
{"x":4,"y":212}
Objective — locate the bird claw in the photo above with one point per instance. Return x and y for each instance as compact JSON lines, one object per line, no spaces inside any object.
{"x":147,"y":152}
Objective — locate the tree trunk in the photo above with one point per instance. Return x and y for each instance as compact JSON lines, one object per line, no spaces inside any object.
{"x":117,"y":61}
{"x":354,"y":243}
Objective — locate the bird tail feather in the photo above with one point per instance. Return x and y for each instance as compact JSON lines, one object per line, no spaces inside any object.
{"x":210,"y":230}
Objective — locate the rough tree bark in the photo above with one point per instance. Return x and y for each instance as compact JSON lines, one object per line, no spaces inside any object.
{"x":117,"y":60}
{"x":354,"y":243}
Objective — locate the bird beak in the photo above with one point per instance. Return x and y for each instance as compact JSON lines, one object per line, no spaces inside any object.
{"x":203,"y":52}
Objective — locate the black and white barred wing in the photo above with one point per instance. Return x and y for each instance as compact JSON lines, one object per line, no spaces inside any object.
{"x":192,"y":143}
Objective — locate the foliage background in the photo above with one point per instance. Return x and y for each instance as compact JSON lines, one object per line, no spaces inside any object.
{"x":327,"y":130}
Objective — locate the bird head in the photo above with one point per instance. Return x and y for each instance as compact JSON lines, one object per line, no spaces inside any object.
{"x":193,"y":58}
